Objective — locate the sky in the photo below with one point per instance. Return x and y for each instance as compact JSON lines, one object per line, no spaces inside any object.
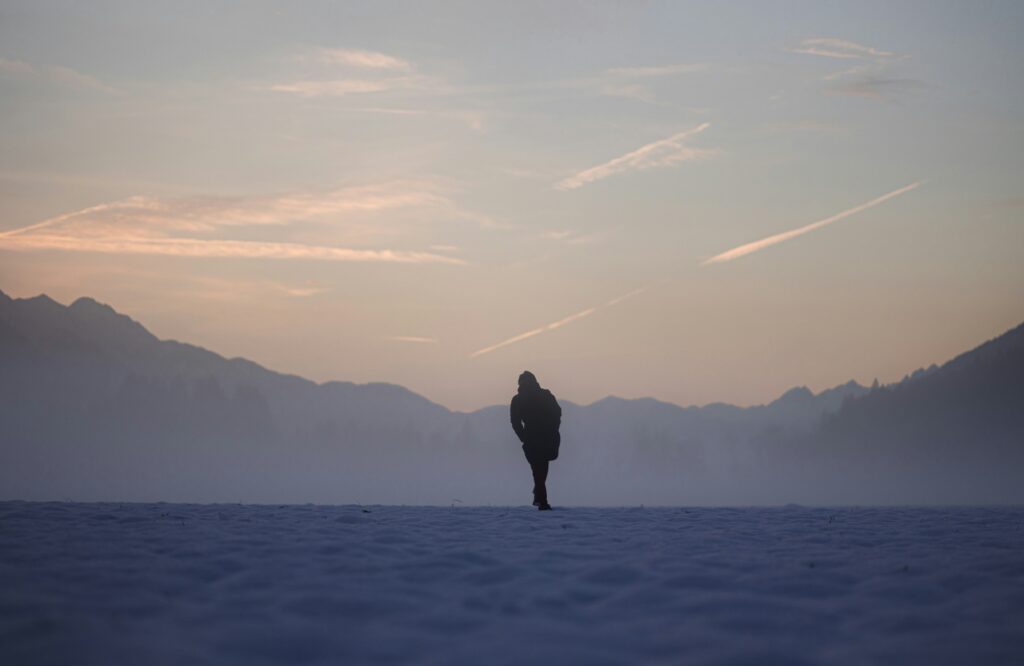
{"x":697,"y":202}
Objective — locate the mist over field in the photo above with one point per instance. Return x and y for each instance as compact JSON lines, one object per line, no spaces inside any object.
{"x":96,"y":408}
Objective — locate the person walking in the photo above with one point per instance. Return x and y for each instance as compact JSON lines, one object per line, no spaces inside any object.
{"x":536,"y":417}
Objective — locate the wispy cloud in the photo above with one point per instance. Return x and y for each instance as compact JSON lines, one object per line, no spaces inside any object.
{"x":356,"y":86}
{"x":147,"y":215}
{"x":873,"y":78}
{"x":355,"y":58}
{"x":193,"y":247}
{"x":413,"y":339}
{"x":831,"y":47}
{"x":556,"y":324}
{"x":58,"y":74}
{"x":175,"y":227}
{"x":570,"y":237}
{"x":750,"y":248}
{"x":662,"y":153}
{"x":227,"y":290}
{"x":657,"y":70}
{"x":342,"y":72}
{"x":337,"y":88}
{"x":236,"y":290}
{"x":343,"y":87}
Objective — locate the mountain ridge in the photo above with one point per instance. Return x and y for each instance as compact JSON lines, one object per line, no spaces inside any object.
{"x":88,"y":310}
{"x":93,"y":406}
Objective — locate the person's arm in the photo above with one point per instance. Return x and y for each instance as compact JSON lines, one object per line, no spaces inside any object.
{"x":555,"y":411}
{"x":517,"y":418}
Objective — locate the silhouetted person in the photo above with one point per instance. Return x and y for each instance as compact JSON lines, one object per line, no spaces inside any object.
{"x":536,"y":417}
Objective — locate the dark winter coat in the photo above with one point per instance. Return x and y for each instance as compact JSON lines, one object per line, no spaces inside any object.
{"x":536,"y":417}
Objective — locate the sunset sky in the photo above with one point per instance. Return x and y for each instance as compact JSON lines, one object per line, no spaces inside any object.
{"x":697,"y":202}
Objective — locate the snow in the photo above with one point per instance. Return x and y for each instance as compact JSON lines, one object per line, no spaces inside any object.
{"x":234,"y":584}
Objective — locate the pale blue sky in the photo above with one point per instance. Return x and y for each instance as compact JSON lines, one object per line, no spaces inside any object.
{"x":376,"y":191}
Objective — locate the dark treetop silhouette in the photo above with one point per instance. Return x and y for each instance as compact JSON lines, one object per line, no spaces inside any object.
{"x":536,"y":417}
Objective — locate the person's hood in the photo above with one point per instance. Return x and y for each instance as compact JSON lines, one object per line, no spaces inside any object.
{"x":528,"y":382}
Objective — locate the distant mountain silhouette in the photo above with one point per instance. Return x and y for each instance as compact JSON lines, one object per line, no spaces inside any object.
{"x":93,"y":406}
{"x":959,"y":426}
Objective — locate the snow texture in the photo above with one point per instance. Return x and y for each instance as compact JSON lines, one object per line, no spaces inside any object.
{"x":232,"y":584}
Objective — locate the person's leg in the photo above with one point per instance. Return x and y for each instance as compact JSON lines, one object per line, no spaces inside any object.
{"x":540,"y":477}
{"x":535,"y":467}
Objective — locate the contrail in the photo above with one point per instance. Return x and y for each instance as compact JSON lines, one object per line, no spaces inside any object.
{"x":734,"y":253}
{"x":557,"y":324}
{"x":660,"y":153}
{"x":412,"y":338}
{"x":60,"y":218}
{"x":744,"y":250}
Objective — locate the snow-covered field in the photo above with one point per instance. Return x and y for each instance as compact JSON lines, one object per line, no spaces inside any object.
{"x":230,"y":584}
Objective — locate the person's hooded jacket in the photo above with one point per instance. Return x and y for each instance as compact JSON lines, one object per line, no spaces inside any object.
{"x":536,"y":417}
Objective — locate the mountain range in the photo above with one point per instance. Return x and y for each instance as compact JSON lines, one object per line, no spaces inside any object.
{"x":94,"y":407}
